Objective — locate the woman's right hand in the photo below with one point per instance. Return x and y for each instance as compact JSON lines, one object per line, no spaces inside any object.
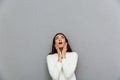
{"x":59,"y":53}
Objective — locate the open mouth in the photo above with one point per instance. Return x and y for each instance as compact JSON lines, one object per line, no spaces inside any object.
{"x":60,"y":42}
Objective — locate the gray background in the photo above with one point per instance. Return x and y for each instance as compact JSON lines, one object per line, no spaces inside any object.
{"x":27,"y":28}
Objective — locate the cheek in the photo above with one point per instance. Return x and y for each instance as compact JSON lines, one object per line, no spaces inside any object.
{"x":64,"y":41}
{"x":56,"y":42}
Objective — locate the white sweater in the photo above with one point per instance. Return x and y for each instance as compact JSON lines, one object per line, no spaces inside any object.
{"x":64,"y":70}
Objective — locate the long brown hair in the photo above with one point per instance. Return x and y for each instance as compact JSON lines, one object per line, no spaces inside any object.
{"x":53,"y":51}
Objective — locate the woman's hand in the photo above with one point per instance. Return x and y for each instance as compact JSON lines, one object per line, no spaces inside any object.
{"x":59,"y":53}
{"x":64,"y":50}
{"x":62,"y":54}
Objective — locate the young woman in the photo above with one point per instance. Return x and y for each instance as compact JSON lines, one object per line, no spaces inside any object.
{"x":61,"y":61}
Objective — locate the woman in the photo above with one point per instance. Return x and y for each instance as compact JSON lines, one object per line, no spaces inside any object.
{"x":62,"y":61}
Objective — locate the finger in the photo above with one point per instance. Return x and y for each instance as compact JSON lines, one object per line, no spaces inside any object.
{"x":66,"y":45}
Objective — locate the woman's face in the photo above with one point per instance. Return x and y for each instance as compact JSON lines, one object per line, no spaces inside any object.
{"x":60,"y":40}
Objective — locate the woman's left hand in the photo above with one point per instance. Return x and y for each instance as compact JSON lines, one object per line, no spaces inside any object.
{"x":64,"y":50}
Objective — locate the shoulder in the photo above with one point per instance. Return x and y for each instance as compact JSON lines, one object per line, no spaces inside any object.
{"x":51,"y":56}
{"x":73,"y":54}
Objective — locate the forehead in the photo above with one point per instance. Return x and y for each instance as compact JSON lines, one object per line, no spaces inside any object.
{"x":60,"y":35}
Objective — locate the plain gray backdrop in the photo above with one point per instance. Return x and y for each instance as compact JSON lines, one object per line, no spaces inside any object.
{"x":27,"y":28}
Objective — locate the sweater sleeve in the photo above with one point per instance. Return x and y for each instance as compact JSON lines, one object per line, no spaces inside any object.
{"x":69,"y":65}
{"x":54,"y":67}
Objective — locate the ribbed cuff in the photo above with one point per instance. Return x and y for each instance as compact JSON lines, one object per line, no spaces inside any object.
{"x":63,"y":61}
{"x":59,"y":64}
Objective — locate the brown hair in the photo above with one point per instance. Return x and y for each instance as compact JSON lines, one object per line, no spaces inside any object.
{"x":53,"y":51}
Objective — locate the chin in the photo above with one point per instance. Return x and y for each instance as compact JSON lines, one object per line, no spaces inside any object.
{"x":60,"y":46}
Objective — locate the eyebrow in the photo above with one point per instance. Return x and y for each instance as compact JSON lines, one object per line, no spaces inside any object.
{"x":60,"y":36}
{"x":56,"y":37}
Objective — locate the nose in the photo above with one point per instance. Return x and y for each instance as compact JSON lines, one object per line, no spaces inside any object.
{"x":59,"y":39}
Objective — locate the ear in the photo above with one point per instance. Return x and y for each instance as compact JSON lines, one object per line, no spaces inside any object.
{"x":55,"y":45}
